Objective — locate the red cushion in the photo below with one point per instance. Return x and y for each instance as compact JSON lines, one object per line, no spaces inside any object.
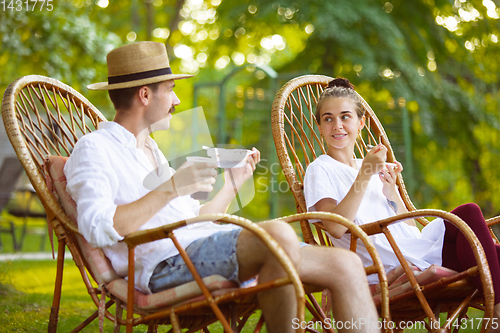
{"x":170,"y":296}
{"x":97,"y":263}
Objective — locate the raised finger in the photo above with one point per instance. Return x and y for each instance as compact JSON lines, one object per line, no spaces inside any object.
{"x":252,"y":163}
{"x":256,"y":155}
{"x":382,"y":177}
{"x":399,"y":167}
{"x":391,"y":171}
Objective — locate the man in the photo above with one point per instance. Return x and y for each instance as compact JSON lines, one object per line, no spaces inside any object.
{"x":106,"y":173}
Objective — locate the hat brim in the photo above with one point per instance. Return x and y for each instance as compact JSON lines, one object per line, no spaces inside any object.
{"x":137,"y":83}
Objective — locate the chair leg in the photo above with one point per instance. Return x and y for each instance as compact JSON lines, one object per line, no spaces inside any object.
{"x":234,"y":318}
{"x":258,"y":327}
{"x":42,"y":242}
{"x":118,"y":315}
{"x":13,"y":233}
{"x":19,"y":245}
{"x":54,"y":311}
{"x":153,"y":328}
{"x":174,"y":320}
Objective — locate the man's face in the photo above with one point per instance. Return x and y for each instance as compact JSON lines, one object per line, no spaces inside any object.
{"x":163,"y":105}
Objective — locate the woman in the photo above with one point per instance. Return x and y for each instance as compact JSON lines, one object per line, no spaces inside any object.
{"x":364,"y":191}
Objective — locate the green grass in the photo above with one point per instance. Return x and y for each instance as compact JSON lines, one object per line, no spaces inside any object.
{"x":33,"y":239}
{"x":26,"y":299}
{"x":26,"y":289}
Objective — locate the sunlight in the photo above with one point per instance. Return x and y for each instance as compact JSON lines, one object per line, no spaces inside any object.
{"x":103,"y":3}
{"x":161,"y":33}
{"x":186,"y":27}
{"x":183,"y":51}
{"x":222,"y":62}
{"x":131,"y":36}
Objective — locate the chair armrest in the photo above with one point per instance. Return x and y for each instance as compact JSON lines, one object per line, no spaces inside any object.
{"x":477,"y":248}
{"x":145,"y":236}
{"x":356,"y":233}
{"x":151,"y":235}
{"x":492,"y":221}
{"x":377,"y":226}
{"x":354,"y":229}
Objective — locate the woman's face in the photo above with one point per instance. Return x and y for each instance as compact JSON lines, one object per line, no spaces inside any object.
{"x":339,"y":122}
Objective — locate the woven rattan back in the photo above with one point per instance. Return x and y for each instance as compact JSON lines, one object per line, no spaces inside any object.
{"x":45,"y":117}
{"x":298,"y":140}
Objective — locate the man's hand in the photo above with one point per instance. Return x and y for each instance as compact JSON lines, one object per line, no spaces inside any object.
{"x":191,"y":178}
{"x":235,"y":177}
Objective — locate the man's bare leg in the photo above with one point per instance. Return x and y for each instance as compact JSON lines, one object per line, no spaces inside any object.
{"x":279,"y":306}
{"x":342,"y":272}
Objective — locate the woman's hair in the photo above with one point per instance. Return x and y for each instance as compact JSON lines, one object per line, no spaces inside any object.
{"x":340,"y":87}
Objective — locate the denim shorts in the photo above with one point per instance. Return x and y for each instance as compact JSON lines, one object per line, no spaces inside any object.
{"x":215,"y":254}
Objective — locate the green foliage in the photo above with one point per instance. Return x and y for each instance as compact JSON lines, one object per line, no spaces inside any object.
{"x":435,"y":59}
{"x":63,"y":43}
{"x":445,"y":75}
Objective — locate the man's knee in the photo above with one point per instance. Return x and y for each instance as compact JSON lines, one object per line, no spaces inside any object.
{"x":281,"y":231}
{"x":345,"y":261}
{"x":284,"y":234}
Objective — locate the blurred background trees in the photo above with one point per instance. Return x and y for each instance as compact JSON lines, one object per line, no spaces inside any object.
{"x":429,"y":69}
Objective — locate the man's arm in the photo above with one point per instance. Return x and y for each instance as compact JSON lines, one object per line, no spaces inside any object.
{"x":130,"y":217}
{"x":93,"y":183}
{"x":194,"y":178}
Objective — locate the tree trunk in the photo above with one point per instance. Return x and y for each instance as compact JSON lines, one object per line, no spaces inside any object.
{"x":150,"y":18}
{"x":174,"y":25}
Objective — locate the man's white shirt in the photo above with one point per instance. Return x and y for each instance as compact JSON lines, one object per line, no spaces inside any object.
{"x":106,"y":170}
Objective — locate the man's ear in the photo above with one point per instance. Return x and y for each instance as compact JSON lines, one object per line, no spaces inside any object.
{"x":145,"y":95}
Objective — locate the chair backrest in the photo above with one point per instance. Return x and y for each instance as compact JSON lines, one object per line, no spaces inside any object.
{"x":298,"y":141}
{"x":44,"y":119}
{"x":9,"y":175}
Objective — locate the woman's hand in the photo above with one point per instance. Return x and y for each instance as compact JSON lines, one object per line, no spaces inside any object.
{"x":388,"y":176}
{"x":374,"y":160}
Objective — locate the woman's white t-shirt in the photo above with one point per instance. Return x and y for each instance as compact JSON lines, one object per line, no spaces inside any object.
{"x":329,"y":178}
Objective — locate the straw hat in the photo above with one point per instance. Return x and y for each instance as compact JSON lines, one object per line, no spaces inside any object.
{"x":137,"y":64}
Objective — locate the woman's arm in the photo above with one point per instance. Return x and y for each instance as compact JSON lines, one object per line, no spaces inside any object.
{"x":349,"y":206}
{"x":388,"y":177}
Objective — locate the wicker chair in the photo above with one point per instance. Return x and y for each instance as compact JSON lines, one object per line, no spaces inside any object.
{"x":44,"y":118}
{"x":298,"y":142}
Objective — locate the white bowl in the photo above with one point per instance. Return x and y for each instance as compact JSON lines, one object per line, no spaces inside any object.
{"x":229,"y":158}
